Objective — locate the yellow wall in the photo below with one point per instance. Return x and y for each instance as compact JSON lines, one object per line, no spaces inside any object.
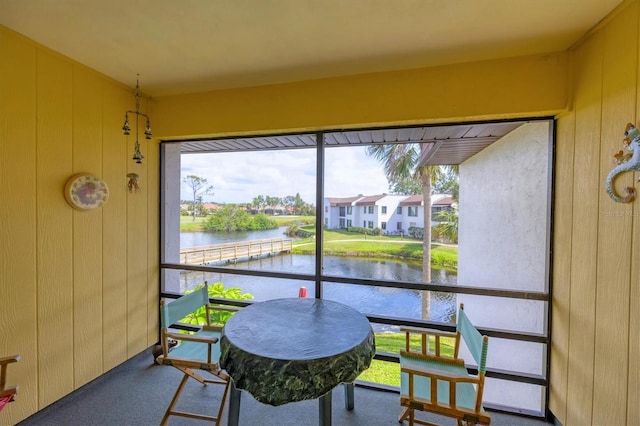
{"x":596,"y":322}
{"x":442,"y":94}
{"x":78,"y":290}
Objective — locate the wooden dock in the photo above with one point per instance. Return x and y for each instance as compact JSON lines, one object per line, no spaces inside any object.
{"x":232,"y":252}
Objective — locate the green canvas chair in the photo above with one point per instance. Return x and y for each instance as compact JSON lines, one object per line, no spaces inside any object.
{"x":433,"y":382}
{"x":199,"y":351}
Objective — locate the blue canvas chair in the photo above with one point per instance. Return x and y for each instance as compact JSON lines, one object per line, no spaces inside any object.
{"x":433,"y":382}
{"x":198,"y":351}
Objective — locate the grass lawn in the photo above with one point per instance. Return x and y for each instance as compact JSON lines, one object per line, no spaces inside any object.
{"x":187,"y":224}
{"x":388,"y":373}
{"x":288,"y":220}
{"x":339,"y":242}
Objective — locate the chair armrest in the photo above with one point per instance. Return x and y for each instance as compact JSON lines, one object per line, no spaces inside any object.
{"x":193,"y":338}
{"x":440,"y":375}
{"x":226,"y":308}
{"x":212,"y":327}
{"x":433,"y":357}
{"x":8,"y":391}
{"x":9,"y":359}
{"x":4,"y":363}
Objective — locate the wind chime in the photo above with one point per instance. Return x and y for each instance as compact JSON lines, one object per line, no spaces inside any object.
{"x":132,"y":184}
{"x":137,"y":154}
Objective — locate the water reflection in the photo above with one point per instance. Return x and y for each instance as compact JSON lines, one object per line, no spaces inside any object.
{"x":385,"y":301}
{"x":198,"y":238}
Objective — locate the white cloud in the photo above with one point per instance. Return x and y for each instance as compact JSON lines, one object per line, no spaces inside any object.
{"x":350,"y":171}
{"x":239,"y":177}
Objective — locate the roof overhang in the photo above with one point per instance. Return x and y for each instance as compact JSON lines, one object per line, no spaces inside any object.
{"x":450,"y":144}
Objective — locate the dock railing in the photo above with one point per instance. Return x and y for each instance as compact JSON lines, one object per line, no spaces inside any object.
{"x":233,"y":251}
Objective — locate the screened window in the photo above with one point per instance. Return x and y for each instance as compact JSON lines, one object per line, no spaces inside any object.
{"x":267,"y":233}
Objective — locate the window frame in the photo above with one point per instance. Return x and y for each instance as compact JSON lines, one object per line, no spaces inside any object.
{"x":319,"y":278}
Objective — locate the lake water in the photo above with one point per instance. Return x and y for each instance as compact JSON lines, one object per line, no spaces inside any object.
{"x":193,"y":239}
{"x":384,"y":301}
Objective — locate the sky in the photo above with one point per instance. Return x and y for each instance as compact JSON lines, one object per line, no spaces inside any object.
{"x":240,"y":177}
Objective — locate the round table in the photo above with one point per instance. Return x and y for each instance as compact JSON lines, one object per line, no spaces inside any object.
{"x":287,"y":350}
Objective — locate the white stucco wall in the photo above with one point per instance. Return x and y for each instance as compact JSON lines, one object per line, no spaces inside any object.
{"x":170,"y":220}
{"x":503,"y":243}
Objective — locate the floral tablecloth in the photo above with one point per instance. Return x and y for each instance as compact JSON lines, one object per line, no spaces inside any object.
{"x":287,"y":350}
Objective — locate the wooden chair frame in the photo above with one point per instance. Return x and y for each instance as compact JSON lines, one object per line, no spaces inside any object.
{"x":7,"y":391}
{"x":199,"y":351}
{"x":440,"y":384}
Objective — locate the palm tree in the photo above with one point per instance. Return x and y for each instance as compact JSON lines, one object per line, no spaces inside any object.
{"x":448,"y":228}
{"x":402,"y":162}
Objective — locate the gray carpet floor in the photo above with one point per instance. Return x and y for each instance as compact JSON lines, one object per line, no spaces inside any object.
{"x":138,"y":392}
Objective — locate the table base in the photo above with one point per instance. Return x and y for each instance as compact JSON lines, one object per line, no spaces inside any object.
{"x":324,"y":405}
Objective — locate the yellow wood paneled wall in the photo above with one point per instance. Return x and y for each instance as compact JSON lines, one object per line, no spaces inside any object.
{"x":595,"y":350}
{"x":488,"y":89}
{"x":78,"y":290}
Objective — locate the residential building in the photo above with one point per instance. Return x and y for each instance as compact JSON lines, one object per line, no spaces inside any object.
{"x":392,"y":214}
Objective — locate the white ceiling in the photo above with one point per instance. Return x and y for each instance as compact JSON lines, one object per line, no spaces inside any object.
{"x":182,"y":46}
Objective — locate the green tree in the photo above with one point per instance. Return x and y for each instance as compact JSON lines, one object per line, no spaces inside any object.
{"x":401,"y":163}
{"x":447,"y":182}
{"x":293,"y":229}
{"x":261,"y":222}
{"x":448,"y":228}
{"x":199,"y":188}
{"x":229,"y":218}
{"x":235,"y":218}
{"x":289,"y":201}
{"x":409,"y":186}
{"x":298,"y":204}
{"x":258,"y":202}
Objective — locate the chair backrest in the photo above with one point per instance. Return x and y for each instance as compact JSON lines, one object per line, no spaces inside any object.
{"x":476,"y":342}
{"x":172,"y":312}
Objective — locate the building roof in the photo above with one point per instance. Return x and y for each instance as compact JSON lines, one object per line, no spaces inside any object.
{"x":412,"y":200}
{"x":341,"y":202}
{"x":436,"y":200}
{"x":442,"y":200}
{"x":369,"y":200}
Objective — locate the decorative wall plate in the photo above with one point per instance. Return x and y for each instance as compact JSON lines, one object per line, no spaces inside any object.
{"x":86,"y":192}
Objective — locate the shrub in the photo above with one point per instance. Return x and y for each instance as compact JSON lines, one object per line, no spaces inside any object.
{"x":416,"y":232}
{"x":359,"y":230}
{"x":218,"y":291}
